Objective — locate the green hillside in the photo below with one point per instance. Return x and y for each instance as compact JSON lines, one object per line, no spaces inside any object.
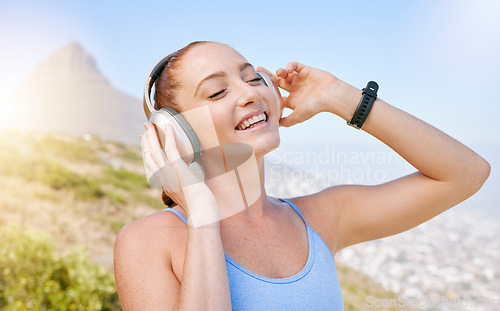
{"x":80,"y":190}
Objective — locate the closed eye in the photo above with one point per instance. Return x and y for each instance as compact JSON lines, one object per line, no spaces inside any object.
{"x":256,"y":80}
{"x":217,"y":94}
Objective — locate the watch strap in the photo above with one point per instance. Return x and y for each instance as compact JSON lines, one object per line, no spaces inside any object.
{"x":369,"y":96}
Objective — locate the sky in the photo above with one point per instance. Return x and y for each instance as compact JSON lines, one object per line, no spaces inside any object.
{"x":438,"y":60}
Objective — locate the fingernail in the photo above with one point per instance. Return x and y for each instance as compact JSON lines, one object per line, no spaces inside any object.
{"x":146,"y":125}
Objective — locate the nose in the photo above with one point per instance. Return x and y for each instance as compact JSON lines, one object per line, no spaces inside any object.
{"x":248,"y":94}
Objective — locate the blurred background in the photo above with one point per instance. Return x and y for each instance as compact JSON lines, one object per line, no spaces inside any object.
{"x":72,"y":75}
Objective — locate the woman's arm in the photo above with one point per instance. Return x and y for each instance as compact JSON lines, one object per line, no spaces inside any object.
{"x":205,"y":284}
{"x":448,"y":171}
{"x":144,"y":249}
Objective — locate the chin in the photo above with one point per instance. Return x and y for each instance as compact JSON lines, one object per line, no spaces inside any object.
{"x":265,"y":145}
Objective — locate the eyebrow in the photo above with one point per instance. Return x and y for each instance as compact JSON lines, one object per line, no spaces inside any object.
{"x":219,"y":74}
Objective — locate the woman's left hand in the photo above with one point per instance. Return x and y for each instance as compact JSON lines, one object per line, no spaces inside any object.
{"x":308,"y":87}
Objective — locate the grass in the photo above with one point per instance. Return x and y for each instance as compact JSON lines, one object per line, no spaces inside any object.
{"x":124,"y":179}
{"x":76,"y":149}
{"x":53,"y":174}
{"x":66,"y":185}
{"x":115,"y":198}
{"x":39,"y":158}
{"x":60,"y":178}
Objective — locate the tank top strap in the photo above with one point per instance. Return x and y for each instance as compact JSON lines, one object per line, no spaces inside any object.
{"x":176,"y":212}
{"x":296,"y":209}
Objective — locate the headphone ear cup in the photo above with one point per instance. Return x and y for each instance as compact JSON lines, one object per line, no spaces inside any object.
{"x":271,"y":84}
{"x":187,"y":141}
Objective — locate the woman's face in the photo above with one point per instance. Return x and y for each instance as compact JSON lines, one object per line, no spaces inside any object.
{"x":217,"y":76}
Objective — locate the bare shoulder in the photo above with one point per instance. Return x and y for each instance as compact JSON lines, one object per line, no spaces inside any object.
{"x":157,"y":234}
{"x":148,"y":253}
{"x":324,"y":204}
{"x":322,"y":212}
{"x":152,"y":230}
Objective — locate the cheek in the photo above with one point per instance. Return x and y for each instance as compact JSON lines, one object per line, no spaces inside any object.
{"x":222,"y":121}
{"x":204,"y":122}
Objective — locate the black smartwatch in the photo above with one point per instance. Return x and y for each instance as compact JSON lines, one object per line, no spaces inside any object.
{"x":365,"y":105}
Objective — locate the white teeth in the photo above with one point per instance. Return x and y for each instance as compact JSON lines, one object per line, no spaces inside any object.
{"x":246,"y":123}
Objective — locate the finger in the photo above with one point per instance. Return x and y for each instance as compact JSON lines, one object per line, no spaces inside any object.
{"x":285,"y":102}
{"x":290,"y":120}
{"x":282,"y":73}
{"x":144,"y":145}
{"x":146,"y":152}
{"x":169,"y":171}
{"x":286,"y":77}
{"x":153,"y":143}
{"x":289,"y":78}
{"x":262,"y":69}
{"x":295,"y":66}
{"x":170,"y":144}
{"x":283,"y":84}
{"x":159,"y":176}
{"x":183,"y":173}
{"x":288,"y":102}
{"x":150,"y":166}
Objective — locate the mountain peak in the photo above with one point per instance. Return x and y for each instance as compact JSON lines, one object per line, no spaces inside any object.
{"x":70,"y":62}
{"x":68,"y":93}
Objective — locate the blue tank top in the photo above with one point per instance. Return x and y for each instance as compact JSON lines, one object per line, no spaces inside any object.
{"x":315,"y":287}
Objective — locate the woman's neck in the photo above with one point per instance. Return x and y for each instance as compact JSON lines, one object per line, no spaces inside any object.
{"x":236,"y":178}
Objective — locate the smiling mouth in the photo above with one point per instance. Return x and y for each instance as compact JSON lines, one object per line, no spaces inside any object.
{"x":252,"y":122}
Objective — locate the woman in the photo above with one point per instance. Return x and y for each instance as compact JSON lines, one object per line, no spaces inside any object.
{"x":275,"y":254}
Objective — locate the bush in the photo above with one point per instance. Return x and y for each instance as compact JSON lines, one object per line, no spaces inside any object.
{"x":34,"y":277}
{"x":124,"y":179}
{"x":58,"y":177}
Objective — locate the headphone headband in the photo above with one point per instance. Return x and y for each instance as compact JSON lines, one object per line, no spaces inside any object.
{"x":152,"y":77}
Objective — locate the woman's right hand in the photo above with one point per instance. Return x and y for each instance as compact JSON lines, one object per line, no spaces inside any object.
{"x":176,"y":178}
